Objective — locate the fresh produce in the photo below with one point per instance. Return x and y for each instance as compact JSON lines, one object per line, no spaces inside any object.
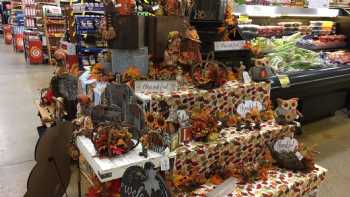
{"x":342,"y":57}
{"x":284,"y":55}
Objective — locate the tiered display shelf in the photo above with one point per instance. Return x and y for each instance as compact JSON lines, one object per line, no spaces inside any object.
{"x":279,"y":182}
{"x":233,"y":147}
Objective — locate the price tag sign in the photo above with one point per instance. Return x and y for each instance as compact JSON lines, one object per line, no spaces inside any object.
{"x":246,"y":77}
{"x":299,"y":156}
{"x":164,"y":164}
{"x":229,"y":45}
{"x":284,"y":80}
{"x":156,"y":7}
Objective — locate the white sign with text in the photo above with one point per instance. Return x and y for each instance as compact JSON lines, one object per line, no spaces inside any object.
{"x":247,"y":106}
{"x":155,"y":86}
{"x":229,"y":45}
{"x":286,"y":144}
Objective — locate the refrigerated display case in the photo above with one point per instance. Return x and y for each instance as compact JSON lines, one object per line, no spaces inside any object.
{"x":322,"y":89}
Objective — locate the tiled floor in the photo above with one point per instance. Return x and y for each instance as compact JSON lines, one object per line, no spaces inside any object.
{"x":19,"y":87}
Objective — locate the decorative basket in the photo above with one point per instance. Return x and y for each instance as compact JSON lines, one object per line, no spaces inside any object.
{"x":111,"y":141}
{"x":288,"y":160}
{"x":209,"y":73}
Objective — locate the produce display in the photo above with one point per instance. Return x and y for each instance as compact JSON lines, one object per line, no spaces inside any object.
{"x":322,"y":27}
{"x":342,"y":57}
{"x":285,"y":56}
{"x":323,"y":42}
{"x":290,"y":28}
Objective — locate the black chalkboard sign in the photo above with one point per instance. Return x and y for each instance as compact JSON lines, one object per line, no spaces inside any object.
{"x":143,"y":182}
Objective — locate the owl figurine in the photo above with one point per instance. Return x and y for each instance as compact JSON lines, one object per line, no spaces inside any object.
{"x":287,"y":111}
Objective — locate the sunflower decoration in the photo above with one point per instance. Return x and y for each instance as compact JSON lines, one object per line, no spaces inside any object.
{"x":150,"y":119}
{"x":204,"y":125}
{"x":154,"y":121}
{"x":160,"y":123}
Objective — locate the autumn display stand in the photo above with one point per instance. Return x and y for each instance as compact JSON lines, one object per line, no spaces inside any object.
{"x":234,"y":147}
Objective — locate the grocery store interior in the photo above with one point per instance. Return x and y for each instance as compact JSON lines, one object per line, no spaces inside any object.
{"x":161,"y":98}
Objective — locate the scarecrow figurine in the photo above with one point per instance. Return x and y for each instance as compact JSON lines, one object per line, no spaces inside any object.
{"x":172,"y":53}
{"x":190,"y":48}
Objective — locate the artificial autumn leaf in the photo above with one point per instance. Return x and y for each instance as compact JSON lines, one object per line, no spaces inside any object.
{"x":231,"y":76}
{"x":232,"y":121}
{"x":132,"y":72}
{"x":221,"y":29}
{"x":216,"y":180}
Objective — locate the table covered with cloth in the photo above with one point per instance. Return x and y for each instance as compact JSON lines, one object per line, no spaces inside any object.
{"x":234,"y":147}
{"x":280,"y":182}
{"x":225,"y":98}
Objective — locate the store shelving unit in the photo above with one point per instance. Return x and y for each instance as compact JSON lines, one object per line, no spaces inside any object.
{"x":88,"y":41}
{"x":53,"y":27}
{"x":5,"y":6}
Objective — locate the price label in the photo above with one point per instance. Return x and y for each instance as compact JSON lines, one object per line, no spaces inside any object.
{"x":299,"y":156}
{"x":229,"y":45}
{"x":164,"y":164}
{"x":156,"y":7}
{"x":243,"y":18}
{"x":246,"y":77}
{"x":284,"y":81}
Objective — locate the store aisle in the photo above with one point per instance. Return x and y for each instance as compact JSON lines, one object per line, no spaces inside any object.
{"x":19,"y":87}
{"x":332,"y":139}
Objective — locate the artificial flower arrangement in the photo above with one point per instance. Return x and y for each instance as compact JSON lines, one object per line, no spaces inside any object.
{"x":157,"y":136}
{"x":204,"y":126}
{"x":209,"y":74}
{"x":229,"y":28}
{"x":110,"y":141}
{"x":107,"y":189}
{"x":244,"y":173}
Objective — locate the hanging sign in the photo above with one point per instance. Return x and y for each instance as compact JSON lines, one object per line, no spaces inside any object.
{"x":155,"y":86}
{"x":143,"y":182}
